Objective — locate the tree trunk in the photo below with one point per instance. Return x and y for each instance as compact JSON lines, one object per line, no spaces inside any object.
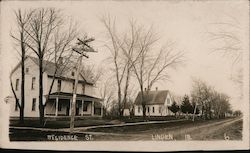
{"x":21,"y":117}
{"x":41,"y":106}
{"x":143,"y":104}
{"x":119,"y":101}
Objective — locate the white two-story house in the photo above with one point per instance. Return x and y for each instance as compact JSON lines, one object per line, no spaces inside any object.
{"x":60,"y":99}
{"x":157,"y":103}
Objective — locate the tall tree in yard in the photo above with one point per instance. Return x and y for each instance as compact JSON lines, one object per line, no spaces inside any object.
{"x":174,"y":108}
{"x":135,"y":50}
{"x":149,"y":64}
{"x":122,"y":66}
{"x":22,"y":20}
{"x":42,"y":27}
{"x":186,"y":106}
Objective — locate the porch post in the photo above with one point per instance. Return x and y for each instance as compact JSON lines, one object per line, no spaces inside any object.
{"x":101,"y":110}
{"x":93,"y":107}
{"x":70,"y":105}
{"x":57,"y":99}
{"x":82,"y":107}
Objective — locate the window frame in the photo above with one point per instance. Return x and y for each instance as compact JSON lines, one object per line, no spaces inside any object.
{"x":33,"y":108}
{"x":27,"y":70}
{"x":33,"y":80}
{"x":17,"y":84}
{"x":59,"y":85}
{"x":139,"y":109}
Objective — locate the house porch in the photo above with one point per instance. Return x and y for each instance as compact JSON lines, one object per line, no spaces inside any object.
{"x":59,"y":105}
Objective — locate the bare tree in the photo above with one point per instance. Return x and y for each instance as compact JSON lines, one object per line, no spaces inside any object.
{"x":22,"y":19}
{"x":150,"y":66}
{"x":42,"y":26}
{"x":227,"y":40}
{"x":121,"y":66}
{"x":107,"y":95}
{"x":61,"y":54}
{"x":135,"y":47}
{"x":211,"y":101}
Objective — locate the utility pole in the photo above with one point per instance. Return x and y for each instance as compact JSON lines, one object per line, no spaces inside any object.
{"x":81,"y":49}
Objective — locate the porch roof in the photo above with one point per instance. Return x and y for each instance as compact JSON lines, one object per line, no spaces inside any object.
{"x":65,"y":94}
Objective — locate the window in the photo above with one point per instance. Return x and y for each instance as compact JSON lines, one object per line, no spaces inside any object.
{"x":139,"y":109}
{"x":148,"y":109}
{"x":153,"y":109}
{"x":168,"y":101}
{"x":73,"y":86}
{"x":16,"y":106}
{"x":17,"y":84}
{"x":33,"y":83}
{"x":73,"y":73}
{"x":27,"y":70}
{"x":83,"y":88}
{"x":59,"y":85}
{"x":34,"y":104}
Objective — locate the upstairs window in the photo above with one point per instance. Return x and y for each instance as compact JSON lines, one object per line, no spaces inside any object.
{"x":16,"y":106}
{"x":168,"y":101}
{"x":34,"y":104}
{"x":73,"y":86}
{"x":59,"y":85}
{"x":73,"y":73}
{"x":27,"y":70}
{"x":148,"y":109}
{"x":153,"y":110}
{"x":17,"y":84}
{"x":33,"y":83}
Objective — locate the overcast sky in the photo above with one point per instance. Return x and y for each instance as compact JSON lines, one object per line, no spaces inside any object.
{"x":185,"y":22}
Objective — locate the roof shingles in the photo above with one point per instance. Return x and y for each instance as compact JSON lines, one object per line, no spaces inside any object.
{"x":153,"y":97}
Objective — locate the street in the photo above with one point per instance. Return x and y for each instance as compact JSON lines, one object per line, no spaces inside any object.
{"x":227,"y":129}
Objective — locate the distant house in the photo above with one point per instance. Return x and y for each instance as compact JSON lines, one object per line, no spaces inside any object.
{"x":157,"y":103}
{"x":62,"y":91}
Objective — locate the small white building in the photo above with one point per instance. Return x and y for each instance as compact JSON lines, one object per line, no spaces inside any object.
{"x":157,"y":103}
{"x":59,"y":103}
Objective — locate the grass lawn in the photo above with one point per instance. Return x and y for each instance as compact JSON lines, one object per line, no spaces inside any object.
{"x":83,"y":122}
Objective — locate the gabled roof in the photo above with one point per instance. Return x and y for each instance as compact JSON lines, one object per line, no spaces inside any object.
{"x":50,"y":68}
{"x":153,"y":97}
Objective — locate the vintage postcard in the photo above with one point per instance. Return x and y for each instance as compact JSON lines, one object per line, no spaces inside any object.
{"x":124,"y":75}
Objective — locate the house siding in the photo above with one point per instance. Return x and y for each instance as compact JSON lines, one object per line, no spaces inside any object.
{"x":66,"y":86}
{"x":157,"y":107}
{"x":29,"y":93}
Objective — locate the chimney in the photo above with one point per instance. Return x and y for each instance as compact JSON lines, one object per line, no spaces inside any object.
{"x":156,"y":88}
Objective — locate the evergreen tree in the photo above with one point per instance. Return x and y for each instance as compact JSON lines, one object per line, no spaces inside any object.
{"x":186,"y":106}
{"x":174,"y":108}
